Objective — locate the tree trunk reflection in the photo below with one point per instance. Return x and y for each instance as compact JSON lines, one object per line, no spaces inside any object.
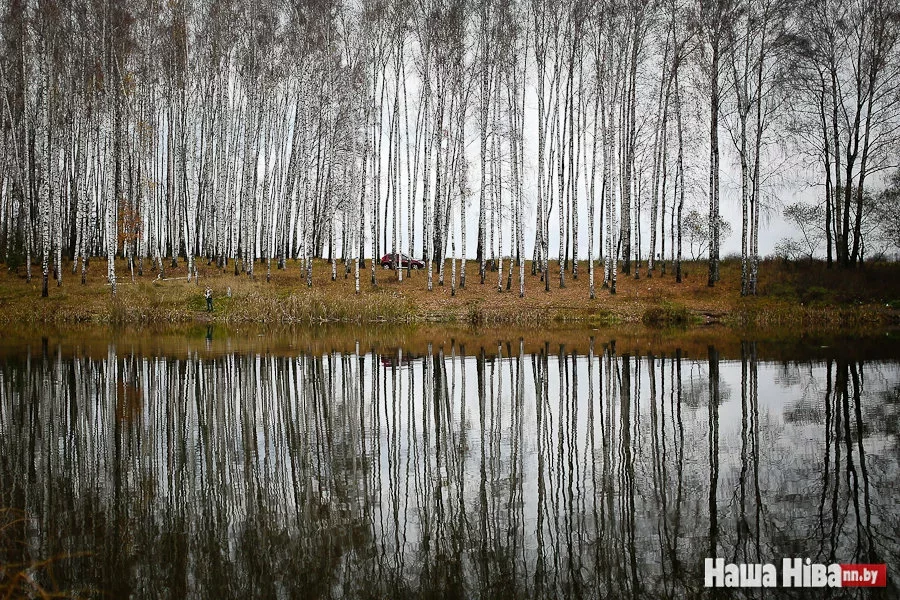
{"x":492,"y":473}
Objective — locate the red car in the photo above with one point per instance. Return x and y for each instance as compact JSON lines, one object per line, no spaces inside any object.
{"x":387,"y":262}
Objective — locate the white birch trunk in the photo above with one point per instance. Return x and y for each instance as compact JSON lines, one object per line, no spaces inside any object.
{"x":44,"y":188}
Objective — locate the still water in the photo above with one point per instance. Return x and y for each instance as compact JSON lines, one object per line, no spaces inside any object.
{"x":440,"y":472}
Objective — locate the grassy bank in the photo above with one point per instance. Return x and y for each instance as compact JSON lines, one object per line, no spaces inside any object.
{"x":795,"y":294}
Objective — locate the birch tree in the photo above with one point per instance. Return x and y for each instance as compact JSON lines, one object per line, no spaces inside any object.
{"x":715,"y":19}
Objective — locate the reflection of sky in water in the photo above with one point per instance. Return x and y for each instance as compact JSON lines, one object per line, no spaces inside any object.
{"x":599,"y":486}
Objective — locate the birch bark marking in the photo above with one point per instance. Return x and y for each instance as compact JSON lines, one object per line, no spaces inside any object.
{"x":463,"y":174}
{"x":593,"y":178}
{"x":577,"y":141}
{"x":606,"y":198}
{"x":374,"y":197}
{"x":109,"y":184}
{"x":412,"y":172}
{"x":395,"y":141}
{"x":540,"y":54}
{"x":660,"y":155}
{"x":452,"y":249}
{"x":426,"y":175}
{"x":437,"y":235}
{"x":500,"y":241}
{"x":560,"y":140}
{"x":742,"y":99}
{"x":629,"y":101}
{"x":519,"y":164}
{"x":574,"y":114}
{"x":44,"y":191}
{"x":60,"y":183}
{"x":679,"y":178}
{"x":714,"y":103}
{"x":363,"y":203}
{"x":484,"y":104}
{"x":27,"y":192}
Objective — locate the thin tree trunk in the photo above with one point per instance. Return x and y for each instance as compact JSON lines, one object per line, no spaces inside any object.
{"x":714,"y":166}
{"x":679,"y":178}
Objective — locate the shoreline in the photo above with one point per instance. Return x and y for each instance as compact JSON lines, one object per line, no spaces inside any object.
{"x":417,"y":340}
{"x":866,"y":300}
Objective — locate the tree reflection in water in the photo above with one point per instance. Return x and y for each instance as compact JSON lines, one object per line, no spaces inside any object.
{"x":454,"y":474}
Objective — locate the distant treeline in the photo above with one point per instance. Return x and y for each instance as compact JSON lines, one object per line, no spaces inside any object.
{"x":243,"y":130}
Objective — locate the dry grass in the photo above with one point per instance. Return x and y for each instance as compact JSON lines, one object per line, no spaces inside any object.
{"x":805,"y":294}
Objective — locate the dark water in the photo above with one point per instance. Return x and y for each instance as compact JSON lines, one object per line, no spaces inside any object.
{"x":455,"y":472}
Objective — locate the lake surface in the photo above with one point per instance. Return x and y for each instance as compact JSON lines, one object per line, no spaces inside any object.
{"x":236,"y":468}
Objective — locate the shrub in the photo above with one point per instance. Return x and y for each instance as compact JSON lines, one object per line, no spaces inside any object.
{"x":666,"y":314}
{"x":16,"y":255}
{"x":475,"y":315}
{"x":815,"y":294}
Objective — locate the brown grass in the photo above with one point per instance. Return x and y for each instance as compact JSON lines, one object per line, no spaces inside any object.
{"x":805,"y":294}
